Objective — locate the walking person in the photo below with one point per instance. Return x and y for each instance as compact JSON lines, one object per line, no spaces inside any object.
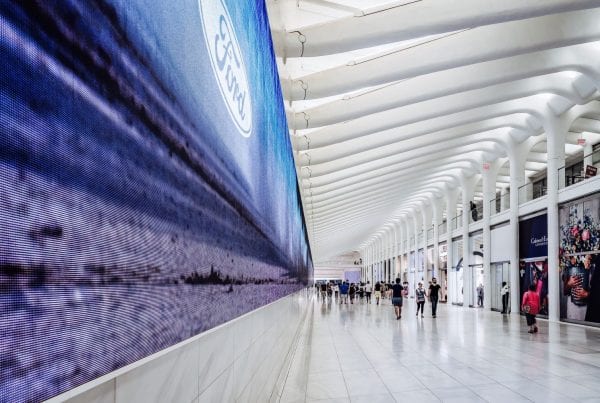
{"x":531,"y":306}
{"x":377,"y":292}
{"x":323,"y":291}
{"x":420,"y":295}
{"x":397,"y":290}
{"x":434,"y":292}
{"x":480,"y":295}
{"x":336,"y":291}
{"x":368,"y":291}
{"x":505,"y":292}
{"x":352,"y":292}
{"x":344,"y":293}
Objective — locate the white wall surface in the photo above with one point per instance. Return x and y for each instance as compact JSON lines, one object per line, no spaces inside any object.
{"x":243,"y":360}
{"x":501,"y":244}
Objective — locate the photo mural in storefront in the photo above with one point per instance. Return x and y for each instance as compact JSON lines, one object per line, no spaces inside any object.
{"x":458,"y":271}
{"x":579,"y":259}
{"x":476,"y":264}
{"x":533,"y":258}
{"x":442,"y":275}
{"x":430,"y":263}
{"x":147,"y":184}
{"x":443,"y":256}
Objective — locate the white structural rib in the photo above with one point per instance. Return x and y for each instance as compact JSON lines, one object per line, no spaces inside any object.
{"x":459,"y":49}
{"x":412,"y":19}
{"x":394,"y":105}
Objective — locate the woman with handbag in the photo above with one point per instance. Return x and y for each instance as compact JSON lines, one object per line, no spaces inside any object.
{"x":531,"y":306}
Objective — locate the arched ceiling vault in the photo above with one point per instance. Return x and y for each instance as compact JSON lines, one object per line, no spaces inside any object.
{"x":391,"y":103}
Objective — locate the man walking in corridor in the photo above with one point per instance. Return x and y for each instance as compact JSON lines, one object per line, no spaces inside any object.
{"x":397,"y":298}
{"x":434,"y":290}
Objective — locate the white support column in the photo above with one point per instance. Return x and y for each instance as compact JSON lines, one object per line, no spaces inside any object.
{"x":437,"y":219}
{"x":379,"y":258}
{"x":371,"y":261}
{"x":517,"y":154}
{"x":467,"y":185}
{"x":556,"y":130}
{"x":404,"y":249}
{"x":384,"y":263}
{"x":416,"y":229}
{"x":587,"y":154}
{"x":489,"y":193}
{"x":426,"y":215}
{"x":451,"y":196}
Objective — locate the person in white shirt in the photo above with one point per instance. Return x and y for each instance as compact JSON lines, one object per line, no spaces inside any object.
{"x":504,"y":291}
{"x":368,"y":291}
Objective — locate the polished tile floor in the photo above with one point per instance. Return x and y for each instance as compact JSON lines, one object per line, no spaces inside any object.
{"x":361,"y":353}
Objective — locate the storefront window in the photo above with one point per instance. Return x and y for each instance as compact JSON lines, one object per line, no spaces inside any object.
{"x":579,"y":258}
{"x":533,"y":261}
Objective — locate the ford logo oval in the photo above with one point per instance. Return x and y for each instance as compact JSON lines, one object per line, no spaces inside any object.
{"x":227,"y":63}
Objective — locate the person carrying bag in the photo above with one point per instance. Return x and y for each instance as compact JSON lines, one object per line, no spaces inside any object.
{"x":531,"y":306}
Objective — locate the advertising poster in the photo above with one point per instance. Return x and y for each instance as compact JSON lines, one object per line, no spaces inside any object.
{"x":457,"y":268}
{"x":443,"y":256}
{"x":533,"y":262}
{"x":579,"y":259}
{"x":147,"y":184}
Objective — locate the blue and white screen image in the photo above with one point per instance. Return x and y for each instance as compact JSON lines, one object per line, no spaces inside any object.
{"x":147,"y":185}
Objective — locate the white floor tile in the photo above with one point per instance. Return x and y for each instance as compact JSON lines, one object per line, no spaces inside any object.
{"x":326,"y":385}
{"x":362,"y":353}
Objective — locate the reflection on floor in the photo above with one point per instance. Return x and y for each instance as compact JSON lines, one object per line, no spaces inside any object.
{"x":361,"y":353}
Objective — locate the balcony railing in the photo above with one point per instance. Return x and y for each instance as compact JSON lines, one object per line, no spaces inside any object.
{"x":567,"y":177}
{"x":500,"y":204}
{"x":442,"y":228}
{"x":456,"y":222}
{"x":430,"y":233}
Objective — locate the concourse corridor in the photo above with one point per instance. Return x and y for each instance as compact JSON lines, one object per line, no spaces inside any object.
{"x":361,"y":353}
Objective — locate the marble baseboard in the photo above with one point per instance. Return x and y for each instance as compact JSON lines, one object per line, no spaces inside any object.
{"x":245,"y":360}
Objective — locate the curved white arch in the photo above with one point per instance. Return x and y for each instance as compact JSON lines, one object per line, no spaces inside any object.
{"x":358,"y":28}
{"x":467,"y":47}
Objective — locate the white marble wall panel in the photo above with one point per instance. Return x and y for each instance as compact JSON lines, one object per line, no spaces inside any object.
{"x":245,"y":360}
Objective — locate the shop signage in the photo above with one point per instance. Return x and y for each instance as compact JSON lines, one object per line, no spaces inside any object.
{"x":590,"y":171}
{"x":533,"y":237}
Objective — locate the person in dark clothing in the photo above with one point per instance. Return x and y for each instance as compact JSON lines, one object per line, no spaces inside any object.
{"x":420,"y":295}
{"x":504,"y":291}
{"x":434,"y":290}
{"x":592,"y":313}
{"x":397,"y":298}
{"x":473,"y":211}
{"x":352,"y":292}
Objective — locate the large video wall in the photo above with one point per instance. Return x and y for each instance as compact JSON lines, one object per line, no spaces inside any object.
{"x":147,"y":186}
{"x":579,"y":260}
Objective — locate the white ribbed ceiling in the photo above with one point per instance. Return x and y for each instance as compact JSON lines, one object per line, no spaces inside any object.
{"x":389,"y":103}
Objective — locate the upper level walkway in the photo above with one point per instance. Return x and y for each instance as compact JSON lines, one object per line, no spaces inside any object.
{"x":361,"y":353}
